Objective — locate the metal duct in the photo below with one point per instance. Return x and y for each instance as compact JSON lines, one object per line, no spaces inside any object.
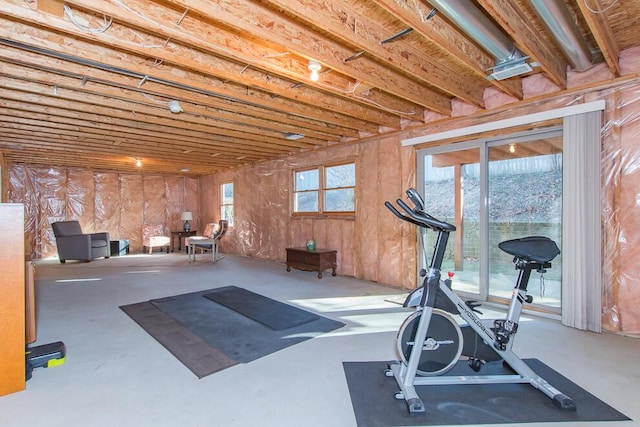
{"x":472,"y":21}
{"x":555,"y":16}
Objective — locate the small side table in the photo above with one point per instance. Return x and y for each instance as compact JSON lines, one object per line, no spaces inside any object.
{"x":119,"y":247}
{"x":317,"y":260}
{"x":181,"y":234}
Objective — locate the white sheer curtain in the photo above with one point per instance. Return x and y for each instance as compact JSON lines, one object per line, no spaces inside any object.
{"x":581,"y":232}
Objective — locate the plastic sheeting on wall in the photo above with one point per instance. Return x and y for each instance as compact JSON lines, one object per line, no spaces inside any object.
{"x":368,"y":243}
{"x":621,"y":208}
{"x":100,"y":201}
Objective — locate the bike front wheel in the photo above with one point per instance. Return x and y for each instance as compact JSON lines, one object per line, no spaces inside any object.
{"x":441,"y":348}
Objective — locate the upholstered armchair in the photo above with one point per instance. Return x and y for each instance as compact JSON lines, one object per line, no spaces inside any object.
{"x":73,"y":244}
{"x":153,"y":236}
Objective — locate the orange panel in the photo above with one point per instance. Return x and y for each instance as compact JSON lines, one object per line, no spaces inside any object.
{"x":12,"y":299}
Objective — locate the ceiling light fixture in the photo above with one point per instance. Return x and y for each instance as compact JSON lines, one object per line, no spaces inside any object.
{"x":315,"y":67}
{"x":512,"y":147}
{"x":138,"y":163}
{"x":175,"y":107}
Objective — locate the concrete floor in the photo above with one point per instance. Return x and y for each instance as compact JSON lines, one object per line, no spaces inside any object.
{"x":118,"y":375}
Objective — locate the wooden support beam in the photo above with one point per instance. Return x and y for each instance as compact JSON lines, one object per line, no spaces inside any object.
{"x":186,"y":66}
{"x":411,"y":12}
{"x":458,"y":203}
{"x":603,"y":33}
{"x":248,"y":17}
{"x":231,"y":58}
{"x":53,"y":7}
{"x":347,"y":22}
{"x":225,"y":109}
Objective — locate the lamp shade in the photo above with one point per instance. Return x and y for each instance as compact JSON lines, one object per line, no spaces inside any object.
{"x":187,"y":216}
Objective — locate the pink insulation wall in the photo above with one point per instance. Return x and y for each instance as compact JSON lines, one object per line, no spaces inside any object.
{"x":621,"y":210}
{"x":117,"y":203}
{"x":367,"y":243}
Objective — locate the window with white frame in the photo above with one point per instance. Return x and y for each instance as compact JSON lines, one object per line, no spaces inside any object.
{"x":226,"y":202}
{"x":326,"y":189}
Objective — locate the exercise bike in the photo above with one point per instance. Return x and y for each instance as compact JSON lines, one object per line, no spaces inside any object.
{"x":441,"y":340}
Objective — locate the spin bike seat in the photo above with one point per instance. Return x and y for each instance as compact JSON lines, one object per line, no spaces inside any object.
{"x":538,"y":249}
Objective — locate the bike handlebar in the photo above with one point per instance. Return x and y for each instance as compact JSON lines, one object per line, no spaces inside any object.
{"x":416,"y":198}
{"x":417,"y":216}
{"x":402,"y":217}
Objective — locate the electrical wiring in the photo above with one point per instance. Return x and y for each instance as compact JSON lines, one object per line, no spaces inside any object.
{"x":74,"y":21}
{"x":362,"y":98}
{"x":606,"y":9}
{"x":32,"y":2}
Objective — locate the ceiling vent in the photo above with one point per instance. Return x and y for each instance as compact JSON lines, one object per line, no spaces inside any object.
{"x":292,"y":136}
{"x":510,"y":69}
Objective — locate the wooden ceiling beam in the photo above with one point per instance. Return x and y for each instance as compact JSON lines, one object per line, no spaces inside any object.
{"x":438,"y":31}
{"x":344,"y":22}
{"x":528,"y":40}
{"x":55,"y":7}
{"x":91,"y":161}
{"x":602,"y":32}
{"x":59,"y":146}
{"x":240,"y":51}
{"x":56,"y":138}
{"x":197,"y":113}
{"x":346,"y":113}
{"x":253,"y":116}
{"x":263,"y":24}
{"x":124,"y":129}
{"x":123,"y":139}
{"x":133,"y":101}
{"x":151,"y":114}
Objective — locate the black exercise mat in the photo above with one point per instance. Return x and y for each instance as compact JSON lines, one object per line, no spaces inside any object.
{"x":208,"y":337}
{"x":374,"y":404}
{"x":274,"y":314}
{"x":196,"y":354}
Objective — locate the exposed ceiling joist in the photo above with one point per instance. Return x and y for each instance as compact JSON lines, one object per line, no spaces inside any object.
{"x":81,"y":79}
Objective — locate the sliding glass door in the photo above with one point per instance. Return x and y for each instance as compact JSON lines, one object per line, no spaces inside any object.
{"x":452,"y":192}
{"x":494,"y":190}
{"x":524,"y":199}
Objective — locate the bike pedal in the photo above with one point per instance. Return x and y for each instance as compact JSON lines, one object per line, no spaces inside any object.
{"x":476,"y":364}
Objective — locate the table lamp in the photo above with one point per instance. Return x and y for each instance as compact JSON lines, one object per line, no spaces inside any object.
{"x":186,"y":217}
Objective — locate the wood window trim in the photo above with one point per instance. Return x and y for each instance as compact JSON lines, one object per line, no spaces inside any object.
{"x":321,"y":213}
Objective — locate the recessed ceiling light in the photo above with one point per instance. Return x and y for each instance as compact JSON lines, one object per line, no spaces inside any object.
{"x":185,"y":169}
